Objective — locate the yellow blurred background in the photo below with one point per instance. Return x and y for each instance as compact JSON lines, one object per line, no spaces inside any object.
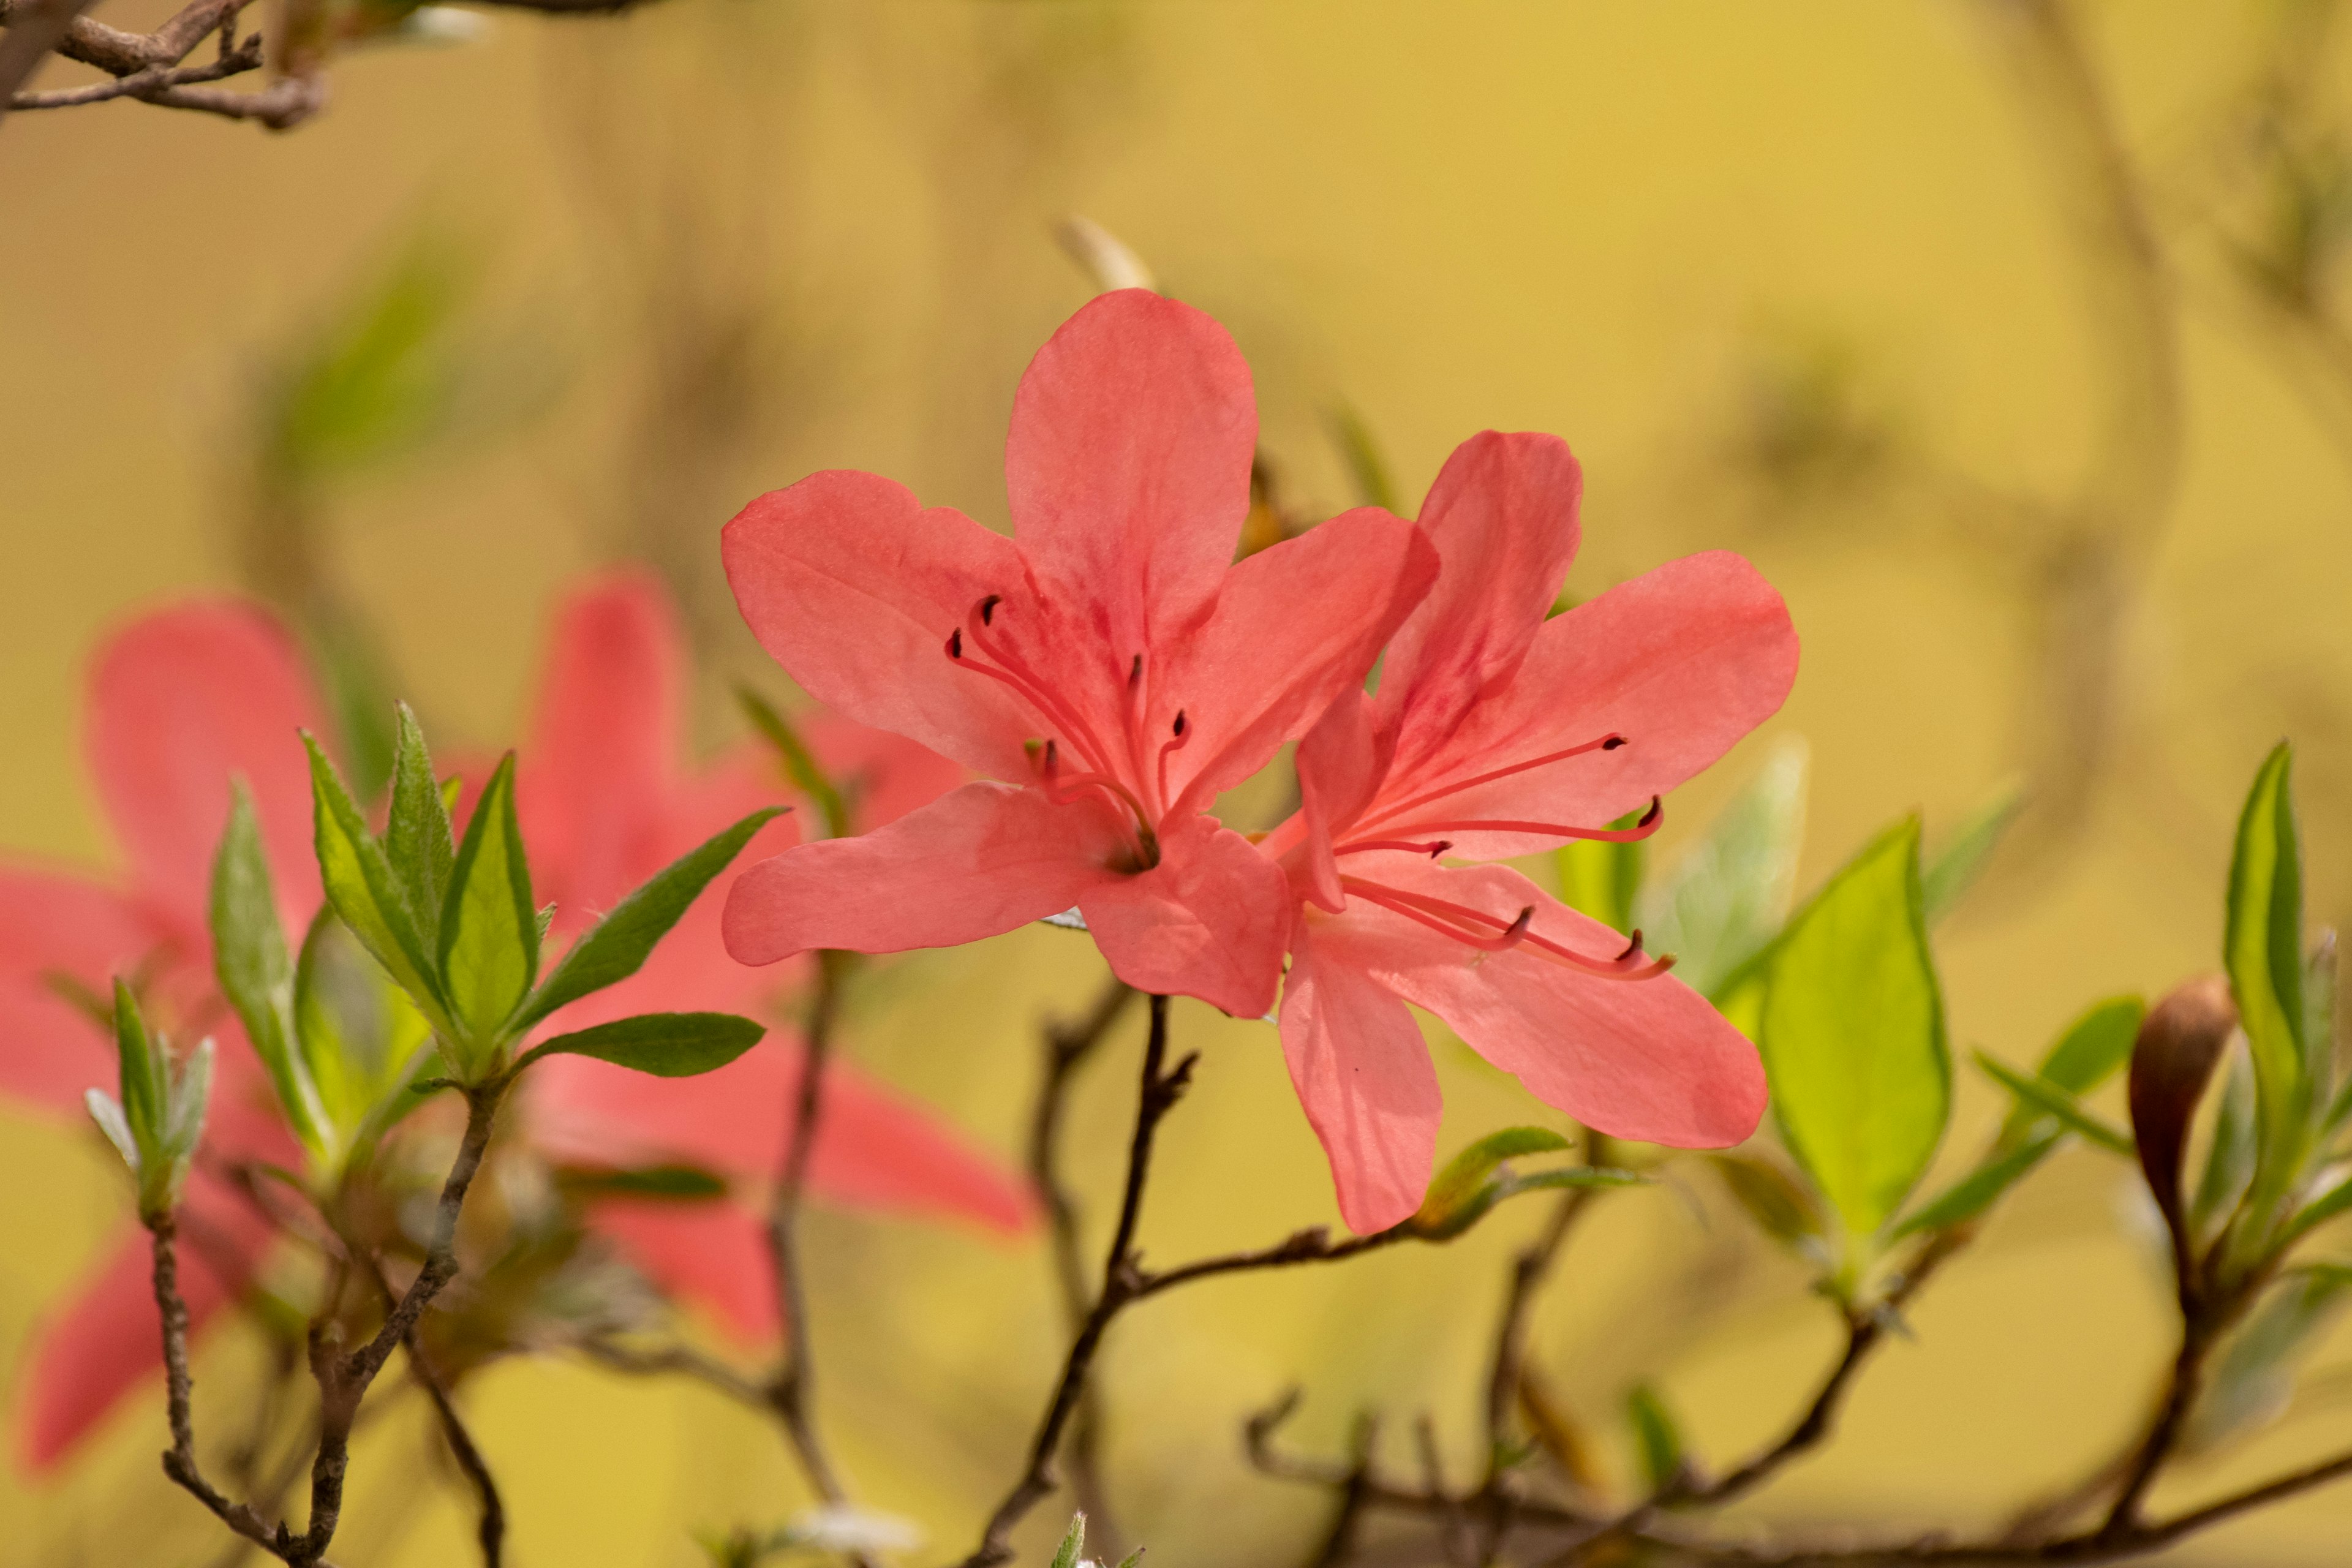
{"x":1970,"y":328}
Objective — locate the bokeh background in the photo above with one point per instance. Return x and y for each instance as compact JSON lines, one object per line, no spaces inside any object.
{"x":2002,"y":336}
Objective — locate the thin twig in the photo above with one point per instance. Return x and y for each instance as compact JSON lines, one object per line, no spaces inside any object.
{"x":34,"y":28}
{"x":789,"y":1390}
{"x":677,"y":1360}
{"x":491,"y":1530}
{"x":1528,"y":1271}
{"x":1068,"y":1045}
{"x":1120,"y":1273}
{"x":144,"y":83}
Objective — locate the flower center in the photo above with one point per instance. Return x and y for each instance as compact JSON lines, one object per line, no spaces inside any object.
{"x":1132,"y":771}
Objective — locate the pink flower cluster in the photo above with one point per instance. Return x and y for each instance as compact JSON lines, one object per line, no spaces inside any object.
{"x":1110,"y":670}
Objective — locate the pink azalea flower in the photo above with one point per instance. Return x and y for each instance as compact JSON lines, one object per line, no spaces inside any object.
{"x":1107,"y":668}
{"x":605,"y":805}
{"x":186,"y":699}
{"x":1494,"y":733}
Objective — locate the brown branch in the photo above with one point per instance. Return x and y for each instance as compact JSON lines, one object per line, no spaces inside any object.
{"x":1373,"y":1490}
{"x":34,"y":28}
{"x":1160,"y":1089}
{"x":1068,"y":1045}
{"x":1528,"y":1271}
{"x":343,"y":1380}
{"x":146,"y":83}
{"x":677,"y":1360}
{"x":491,"y":1531}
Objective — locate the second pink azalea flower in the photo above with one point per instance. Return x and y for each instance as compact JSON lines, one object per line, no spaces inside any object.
{"x":1107,"y":668}
{"x":1499,"y":732}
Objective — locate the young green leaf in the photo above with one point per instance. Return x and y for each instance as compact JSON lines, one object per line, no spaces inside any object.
{"x":138,"y":1062}
{"x":2253,"y":1379}
{"x":2331,"y":1201}
{"x":1780,"y":1205}
{"x":1853,"y":1034}
{"x":1657,"y":1439}
{"x":358,"y":1032}
{"x":1478,"y":1179}
{"x":2262,"y":949}
{"x":1961,"y":857}
{"x":1728,"y":895}
{"x":800,"y":765}
{"x":104,"y":1110}
{"x":1074,"y":1543}
{"x":255,"y":975}
{"x":615,"y":947}
{"x":490,"y":923}
{"x":360,"y":885}
{"x":416,"y":836}
{"x":668,"y":1045}
{"x":2048,"y":1099}
{"x":1978,"y":1191}
{"x":2230,"y":1158}
{"x":2096,"y":1045}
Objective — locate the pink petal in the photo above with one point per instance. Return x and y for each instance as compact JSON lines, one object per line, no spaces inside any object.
{"x":64,"y":927}
{"x":1682,"y":661}
{"x":1646,"y":1060}
{"x":1127,"y":468}
{"x":1502,"y":516}
{"x":1363,"y":1075}
{"x":1295,"y":627}
{"x":179,"y":702}
{"x":979,"y":860}
{"x":1210,"y":920}
{"x":875,"y":1149}
{"x":604,"y":740}
{"x":885,"y":775}
{"x":714,"y":1255}
{"x":106,"y":1341}
{"x":854,"y":587}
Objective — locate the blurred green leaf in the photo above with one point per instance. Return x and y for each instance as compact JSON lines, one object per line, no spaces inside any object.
{"x":360,"y":885}
{"x":256,"y":974}
{"x":361,"y":1036}
{"x":138,"y":1073}
{"x":676,"y":1184}
{"x":1366,"y":468}
{"x":1074,"y":1543}
{"x":613,"y":949}
{"x":800,"y":763}
{"x":2041,"y":1095}
{"x":2230,"y":1158}
{"x":1962,"y":855}
{"x":1478,"y":1178}
{"x":1728,"y":895}
{"x":490,"y":923}
{"x":108,"y":1113}
{"x":2253,"y":1378}
{"x":2096,"y":1045}
{"x":2262,"y":951}
{"x":1780,"y":1205}
{"x":1853,"y":1034}
{"x":1978,"y":1191}
{"x":1600,"y":879}
{"x":668,"y":1045}
{"x":2332,"y":1200}
{"x":416,"y":836}
{"x":1657,"y":1439}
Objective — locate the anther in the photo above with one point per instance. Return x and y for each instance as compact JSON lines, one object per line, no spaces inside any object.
{"x":1179,"y":726}
{"x":987,"y":609}
{"x":1518,"y":930}
{"x":955,"y":643}
{"x":1631,"y":947}
{"x":1612,"y":742}
{"x":1135,"y":671}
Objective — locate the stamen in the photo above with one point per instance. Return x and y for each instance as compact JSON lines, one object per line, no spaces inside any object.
{"x":1638,"y":831}
{"x":1609,"y":742}
{"x":1183,"y":731}
{"x":955,"y":644}
{"x":1015,"y":672}
{"x":1363,"y":845}
{"x":1061,"y":789}
{"x":1442,"y":915}
{"x":1135,"y":671}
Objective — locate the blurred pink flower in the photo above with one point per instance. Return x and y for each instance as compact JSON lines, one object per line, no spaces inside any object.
{"x":1109,"y":667}
{"x":1497,"y":731}
{"x":185,"y":699}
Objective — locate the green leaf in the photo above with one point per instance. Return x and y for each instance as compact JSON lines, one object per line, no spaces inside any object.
{"x":1600,"y":879}
{"x":191,"y":1097}
{"x":668,"y":1045}
{"x":2253,"y":1378}
{"x":1657,"y":1439}
{"x":360,"y":1034}
{"x":416,"y":836}
{"x":1074,"y":1543}
{"x":1978,"y":1191}
{"x":2262,"y":951}
{"x":1780,"y":1205}
{"x":2096,"y":1045}
{"x":1478,"y":1178}
{"x":104,"y":1110}
{"x":676,"y":1184}
{"x":255,"y":975}
{"x":1853,"y":1034}
{"x":361,"y":886}
{"x":1728,"y":895}
{"x":1963,"y":855}
{"x":490,"y":922}
{"x":2230,"y":1158}
{"x":2330,"y":1202}
{"x":138,"y":1079}
{"x":615,"y":947}
{"x":800,"y":763}
{"x":2048,"y":1099}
